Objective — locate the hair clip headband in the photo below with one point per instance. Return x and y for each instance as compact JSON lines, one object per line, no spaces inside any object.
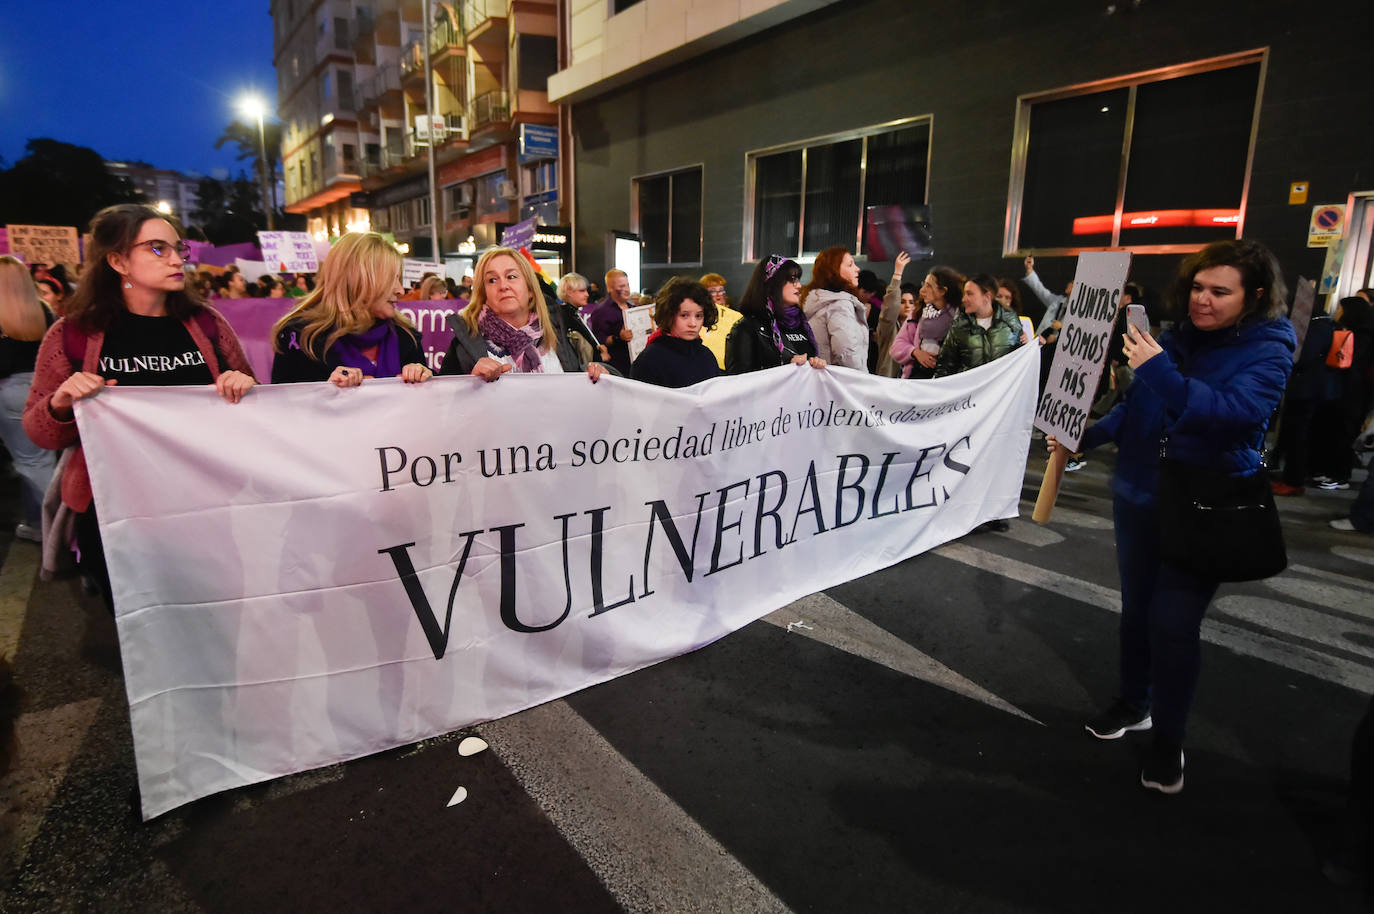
{"x":774,"y":261}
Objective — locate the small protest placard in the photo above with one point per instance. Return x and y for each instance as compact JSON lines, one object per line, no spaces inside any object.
{"x":520,"y":234}
{"x":640,"y":320}
{"x":289,"y":252}
{"x":50,"y":244}
{"x":1082,"y":349}
{"x":1304,"y":299}
{"x":412,"y":271}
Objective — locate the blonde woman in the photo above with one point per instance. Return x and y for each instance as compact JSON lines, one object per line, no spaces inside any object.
{"x":507,"y":326}
{"x":23,"y":321}
{"x":348,"y":328}
{"x":433,"y":289}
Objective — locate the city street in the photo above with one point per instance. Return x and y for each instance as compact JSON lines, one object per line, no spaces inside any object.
{"x":909,"y":741}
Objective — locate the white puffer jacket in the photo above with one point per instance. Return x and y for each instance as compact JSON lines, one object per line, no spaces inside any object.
{"x":840,"y":324}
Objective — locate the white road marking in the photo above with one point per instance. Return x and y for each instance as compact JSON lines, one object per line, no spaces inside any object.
{"x":840,"y":627}
{"x":1344,"y":599}
{"x":1345,"y":579}
{"x":1278,"y":616}
{"x":648,"y":852}
{"x":1301,"y":659}
{"x":1364,"y":556}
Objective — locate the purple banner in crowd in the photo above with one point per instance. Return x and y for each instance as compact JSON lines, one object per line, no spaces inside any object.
{"x":224,"y":255}
{"x":253,"y":319}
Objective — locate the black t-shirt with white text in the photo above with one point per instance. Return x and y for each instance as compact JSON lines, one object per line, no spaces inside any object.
{"x":142,"y":351}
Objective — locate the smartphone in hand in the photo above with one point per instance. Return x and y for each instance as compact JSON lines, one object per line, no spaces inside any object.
{"x":1137,"y":318}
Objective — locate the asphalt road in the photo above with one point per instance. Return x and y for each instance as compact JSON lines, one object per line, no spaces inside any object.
{"x":909,"y":741}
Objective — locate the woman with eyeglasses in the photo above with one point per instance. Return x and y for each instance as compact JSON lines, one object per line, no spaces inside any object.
{"x":132,"y":321}
{"x":772,"y":330}
{"x":348,"y":328}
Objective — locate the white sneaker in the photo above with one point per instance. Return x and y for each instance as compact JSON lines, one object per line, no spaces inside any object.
{"x":26,"y":532}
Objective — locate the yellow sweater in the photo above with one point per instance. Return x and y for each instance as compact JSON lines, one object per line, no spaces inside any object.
{"x":714,"y":339}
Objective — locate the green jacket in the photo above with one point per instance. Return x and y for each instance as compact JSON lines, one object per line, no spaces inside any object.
{"x":968,"y":345}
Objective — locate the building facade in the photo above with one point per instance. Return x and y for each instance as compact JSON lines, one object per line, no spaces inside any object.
{"x":356,"y":141}
{"x":161,"y":186}
{"x":720,"y":131}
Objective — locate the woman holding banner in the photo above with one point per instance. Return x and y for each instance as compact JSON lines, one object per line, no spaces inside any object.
{"x":1202,"y":398}
{"x":508,"y":326}
{"x":348,"y":328}
{"x":772,"y":330}
{"x":132,"y":321}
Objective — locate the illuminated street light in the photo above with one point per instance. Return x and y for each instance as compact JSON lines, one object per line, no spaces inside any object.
{"x":164,"y":207}
{"x":252,"y":106}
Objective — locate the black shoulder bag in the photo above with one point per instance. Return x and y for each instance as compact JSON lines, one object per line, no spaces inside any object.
{"x":1217,"y":526}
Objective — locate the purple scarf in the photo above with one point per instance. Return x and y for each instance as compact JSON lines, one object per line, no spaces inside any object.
{"x":350,"y":348}
{"x":790,"y":318}
{"x":520,"y":343}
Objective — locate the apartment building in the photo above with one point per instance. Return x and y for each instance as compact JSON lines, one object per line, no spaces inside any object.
{"x":160,"y":185}
{"x":356,"y":140}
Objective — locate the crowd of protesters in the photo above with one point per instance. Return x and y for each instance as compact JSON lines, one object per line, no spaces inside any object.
{"x":64,"y":339}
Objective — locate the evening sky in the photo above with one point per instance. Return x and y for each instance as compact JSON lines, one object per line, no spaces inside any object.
{"x":154,"y":81}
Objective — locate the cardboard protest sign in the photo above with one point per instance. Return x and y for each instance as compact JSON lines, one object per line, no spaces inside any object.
{"x":1082,"y":349}
{"x":50,"y":244}
{"x":412,"y":271}
{"x":1304,"y":299}
{"x":520,"y":234}
{"x":640,"y":320}
{"x":289,"y":252}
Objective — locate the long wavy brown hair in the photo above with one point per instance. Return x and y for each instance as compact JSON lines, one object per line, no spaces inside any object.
{"x":99,"y":297}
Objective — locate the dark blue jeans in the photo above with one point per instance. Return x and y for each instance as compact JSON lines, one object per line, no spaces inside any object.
{"x":1161,"y":621}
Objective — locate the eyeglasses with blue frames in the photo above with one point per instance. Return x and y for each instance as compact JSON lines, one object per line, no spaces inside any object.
{"x":162,"y":248}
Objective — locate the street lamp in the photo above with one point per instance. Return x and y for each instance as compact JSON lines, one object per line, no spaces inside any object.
{"x":251,"y":106}
{"x":164,"y":207}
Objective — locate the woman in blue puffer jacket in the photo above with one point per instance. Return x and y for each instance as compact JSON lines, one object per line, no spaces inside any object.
{"x":1210,"y":388}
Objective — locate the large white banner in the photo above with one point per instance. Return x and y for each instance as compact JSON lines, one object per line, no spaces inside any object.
{"x":316,"y":574}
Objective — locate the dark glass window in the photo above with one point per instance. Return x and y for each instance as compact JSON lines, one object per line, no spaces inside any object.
{"x":832,"y":195}
{"x":777,"y":204}
{"x":1073,"y":165}
{"x":1185,"y":169}
{"x":670,"y":217}
{"x":538,"y":60}
{"x":1167,"y":171}
{"x":806,"y":200}
{"x":654,"y":217}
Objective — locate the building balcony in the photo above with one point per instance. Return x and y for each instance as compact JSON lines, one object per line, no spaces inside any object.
{"x":383,"y":92}
{"x":412,"y":61}
{"x":364,"y":37}
{"x":447,"y":39}
{"x":489,"y":110}
{"x":451,"y":135}
{"x":485,"y":24}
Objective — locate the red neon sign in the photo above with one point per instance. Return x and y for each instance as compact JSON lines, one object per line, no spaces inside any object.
{"x":1159,"y":218}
